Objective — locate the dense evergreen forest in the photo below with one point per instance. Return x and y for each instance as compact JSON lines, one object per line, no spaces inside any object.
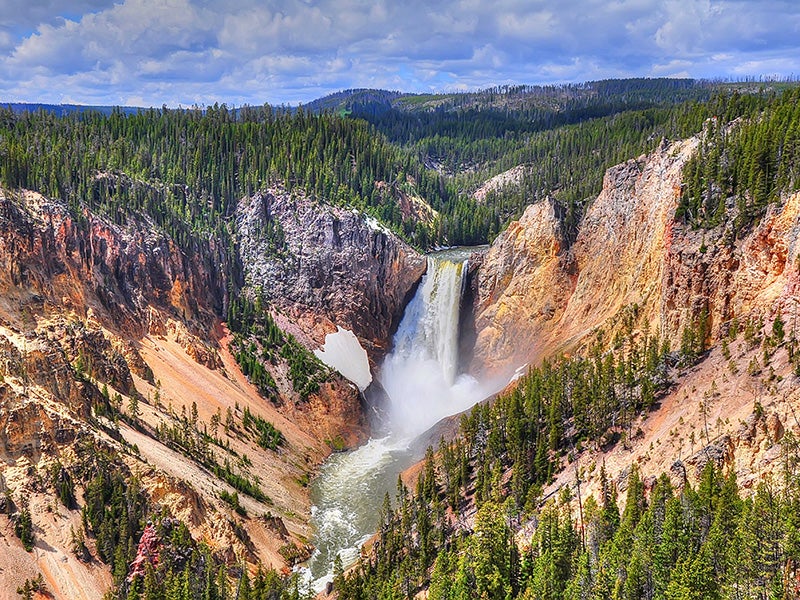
{"x":745,"y":164}
{"x":566,"y":136}
{"x":187,"y":169}
{"x":675,"y":542}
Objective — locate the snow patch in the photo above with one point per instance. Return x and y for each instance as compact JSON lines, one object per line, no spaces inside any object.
{"x":342,"y":351}
{"x":376,"y":225}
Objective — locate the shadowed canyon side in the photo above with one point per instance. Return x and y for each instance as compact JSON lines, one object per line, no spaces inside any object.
{"x":114,"y":359}
{"x":324,"y":269}
{"x":327,"y":267}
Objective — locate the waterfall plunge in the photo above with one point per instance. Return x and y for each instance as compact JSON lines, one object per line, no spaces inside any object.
{"x":421,"y":378}
{"x":420,"y":375}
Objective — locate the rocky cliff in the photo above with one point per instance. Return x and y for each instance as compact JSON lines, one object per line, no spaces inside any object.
{"x":327,"y":267}
{"x":112,"y":345}
{"x":519,"y":290}
{"x":50,"y":261}
{"x":635,"y":269}
{"x":632,"y":268}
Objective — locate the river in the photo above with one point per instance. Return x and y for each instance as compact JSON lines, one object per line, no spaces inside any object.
{"x":423,"y":385}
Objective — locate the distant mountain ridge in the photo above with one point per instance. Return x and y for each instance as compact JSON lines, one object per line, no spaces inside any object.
{"x":61,"y":110}
{"x":411,"y":101}
{"x":638,"y":89}
{"x":635,"y":89}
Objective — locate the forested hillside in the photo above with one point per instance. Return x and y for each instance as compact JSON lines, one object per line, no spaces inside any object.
{"x":565,"y":136}
{"x":457,"y":533}
{"x":188,"y":168}
{"x":750,"y":158}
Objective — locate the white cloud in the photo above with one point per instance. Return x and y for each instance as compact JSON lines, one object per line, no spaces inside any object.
{"x":532,"y":27}
{"x":28,"y":14}
{"x":673,"y":68}
{"x":6,"y":41}
{"x":133,"y":32}
{"x":187,"y":51}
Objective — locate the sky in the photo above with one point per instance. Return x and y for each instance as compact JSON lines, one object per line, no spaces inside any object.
{"x":198,"y":52}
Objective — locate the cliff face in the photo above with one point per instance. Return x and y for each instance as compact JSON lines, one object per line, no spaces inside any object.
{"x":111,"y":340}
{"x":522,"y":283}
{"x":326,"y":267}
{"x":134,"y":281}
{"x":621,"y":248}
{"x":50,"y":261}
{"x":758,"y":275}
{"x":632,"y":268}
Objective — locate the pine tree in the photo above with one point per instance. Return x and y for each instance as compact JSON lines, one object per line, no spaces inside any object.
{"x":493,"y":558}
{"x":23,"y":526}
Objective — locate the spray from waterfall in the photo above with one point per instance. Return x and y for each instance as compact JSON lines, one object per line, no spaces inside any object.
{"x":421,"y":376}
{"x":421,"y":379}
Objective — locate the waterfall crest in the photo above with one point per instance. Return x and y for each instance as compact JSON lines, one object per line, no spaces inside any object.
{"x":429,"y":329}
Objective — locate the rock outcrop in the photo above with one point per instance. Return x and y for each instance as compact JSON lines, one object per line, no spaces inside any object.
{"x":111,"y":341}
{"x":51,"y":261}
{"x":521,"y":288}
{"x":632,"y":268}
{"x":512,"y":177}
{"x":146,"y":553}
{"x":327,"y":267}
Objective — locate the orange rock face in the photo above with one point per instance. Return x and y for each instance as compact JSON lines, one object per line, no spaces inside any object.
{"x":632,"y":267}
{"x":95,"y":316}
{"x":522,"y":290}
{"x":48,"y":260}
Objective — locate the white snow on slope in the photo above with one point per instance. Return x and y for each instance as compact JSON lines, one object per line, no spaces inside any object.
{"x":342,"y":351}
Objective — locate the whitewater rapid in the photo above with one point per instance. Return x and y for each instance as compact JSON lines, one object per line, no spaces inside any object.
{"x":420,"y":377}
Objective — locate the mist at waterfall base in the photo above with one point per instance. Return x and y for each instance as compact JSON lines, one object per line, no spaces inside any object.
{"x":423,"y":386}
{"x":420,"y":375}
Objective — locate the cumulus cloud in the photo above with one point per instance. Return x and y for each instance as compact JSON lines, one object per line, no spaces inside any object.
{"x":203,"y":51}
{"x":27,"y":15}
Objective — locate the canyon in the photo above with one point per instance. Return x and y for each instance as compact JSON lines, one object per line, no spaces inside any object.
{"x":635,"y":270}
{"x":111,"y":335}
{"x":112,"y":339}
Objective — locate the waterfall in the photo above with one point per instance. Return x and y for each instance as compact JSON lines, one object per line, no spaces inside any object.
{"x":420,"y":375}
{"x":429,"y":329}
{"x":421,"y":379}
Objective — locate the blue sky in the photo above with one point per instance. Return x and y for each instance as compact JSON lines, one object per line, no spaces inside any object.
{"x":185,"y":52}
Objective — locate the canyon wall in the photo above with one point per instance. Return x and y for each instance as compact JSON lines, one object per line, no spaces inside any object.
{"x":112,"y":343}
{"x":326,"y":266}
{"x":633,"y":268}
